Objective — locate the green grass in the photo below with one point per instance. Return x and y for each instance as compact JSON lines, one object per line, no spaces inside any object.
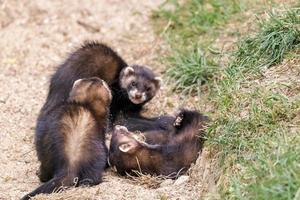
{"x":184,"y":26}
{"x":256,"y":126}
{"x":190,"y":70}
{"x":257,"y":138}
{"x":277,"y":36}
{"x":254,"y":123}
{"x":196,"y":17}
{"x":277,"y":171}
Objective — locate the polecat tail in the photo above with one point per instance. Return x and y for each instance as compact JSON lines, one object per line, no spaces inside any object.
{"x":53,"y":185}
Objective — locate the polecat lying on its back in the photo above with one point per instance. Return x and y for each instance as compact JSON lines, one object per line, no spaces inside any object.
{"x":131,"y":86}
{"x":159,"y":151}
{"x":70,"y":141}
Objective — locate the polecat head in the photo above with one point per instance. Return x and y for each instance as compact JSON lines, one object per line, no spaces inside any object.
{"x":126,"y":148}
{"x":88,"y":90}
{"x":140,"y":83}
{"x":125,"y":141}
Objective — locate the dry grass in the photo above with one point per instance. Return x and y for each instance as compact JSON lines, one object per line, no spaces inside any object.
{"x":146,"y":180}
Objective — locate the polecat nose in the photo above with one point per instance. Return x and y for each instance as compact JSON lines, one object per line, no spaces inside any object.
{"x":138,"y":96}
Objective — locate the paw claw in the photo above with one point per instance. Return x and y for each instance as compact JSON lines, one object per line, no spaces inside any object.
{"x":178,"y":120}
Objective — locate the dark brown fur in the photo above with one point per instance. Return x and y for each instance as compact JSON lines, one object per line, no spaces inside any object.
{"x":98,"y":60}
{"x":70,"y":141}
{"x":166,"y":151}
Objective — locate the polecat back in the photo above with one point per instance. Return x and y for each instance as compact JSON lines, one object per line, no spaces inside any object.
{"x":131,"y":86}
{"x":70,"y":141}
{"x":148,"y":152}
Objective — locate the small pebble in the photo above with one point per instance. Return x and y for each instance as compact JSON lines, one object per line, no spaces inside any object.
{"x":166,"y":182}
{"x":181,"y":180}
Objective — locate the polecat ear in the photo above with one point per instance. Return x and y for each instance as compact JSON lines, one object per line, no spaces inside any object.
{"x":76,"y":82}
{"x":73,"y":95}
{"x":128,"y":147}
{"x":158,"y":81}
{"x":128,"y":71}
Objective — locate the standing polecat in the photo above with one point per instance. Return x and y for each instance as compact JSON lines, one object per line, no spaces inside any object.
{"x":159,"y":151}
{"x":70,"y":140}
{"x":131,"y":86}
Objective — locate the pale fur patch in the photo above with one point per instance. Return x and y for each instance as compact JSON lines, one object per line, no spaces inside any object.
{"x":144,"y":97}
{"x":119,"y":127}
{"x":76,"y":129}
{"x":132,"y":94}
{"x":159,"y":80}
{"x":125,"y":81}
{"x":128,"y":70}
{"x":76,"y":82}
{"x":107,"y":88}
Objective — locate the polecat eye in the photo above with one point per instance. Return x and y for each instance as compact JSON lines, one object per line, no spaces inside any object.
{"x":148,"y":89}
{"x":133,"y":83}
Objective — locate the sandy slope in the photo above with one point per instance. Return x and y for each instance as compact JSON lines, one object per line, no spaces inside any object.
{"x":35,"y":36}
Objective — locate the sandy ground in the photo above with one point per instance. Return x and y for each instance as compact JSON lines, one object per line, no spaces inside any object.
{"x":35,"y":36}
